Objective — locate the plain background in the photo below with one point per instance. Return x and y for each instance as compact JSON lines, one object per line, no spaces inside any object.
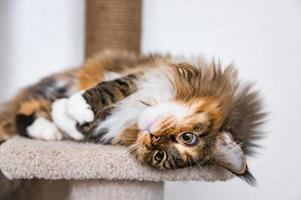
{"x":262,"y":38}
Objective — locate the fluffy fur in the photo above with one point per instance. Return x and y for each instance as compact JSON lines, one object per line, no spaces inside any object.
{"x":170,"y":114}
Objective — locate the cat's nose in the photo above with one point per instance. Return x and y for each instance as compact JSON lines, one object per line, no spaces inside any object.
{"x":154,"y":138}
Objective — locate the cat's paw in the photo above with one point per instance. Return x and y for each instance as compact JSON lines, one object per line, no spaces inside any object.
{"x":44,"y":129}
{"x":64,"y":121}
{"x":79,"y":109}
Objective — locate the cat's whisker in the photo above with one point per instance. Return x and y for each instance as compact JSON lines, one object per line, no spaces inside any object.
{"x":134,"y":155}
{"x":134,"y":159}
{"x":197,"y":163}
{"x":134,"y":146}
{"x":240,"y":144}
{"x":189,"y":159}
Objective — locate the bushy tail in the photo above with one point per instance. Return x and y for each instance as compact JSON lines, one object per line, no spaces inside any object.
{"x":7,"y":123}
{"x":8,"y":116}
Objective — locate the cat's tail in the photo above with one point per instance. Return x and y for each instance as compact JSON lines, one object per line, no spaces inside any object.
{"x":8,"y":117}
{"x":7,"y":122}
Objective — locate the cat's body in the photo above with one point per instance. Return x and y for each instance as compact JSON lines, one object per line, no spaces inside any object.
{"x":37,"y":99}
{"x":170,"y":114}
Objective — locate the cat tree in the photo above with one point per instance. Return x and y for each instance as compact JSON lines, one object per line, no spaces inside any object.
{"x":72,"y":170}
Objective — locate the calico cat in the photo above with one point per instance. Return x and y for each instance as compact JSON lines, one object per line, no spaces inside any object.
{"x":170,"y":114}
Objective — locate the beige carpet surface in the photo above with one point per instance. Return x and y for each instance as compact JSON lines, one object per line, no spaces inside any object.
{"x":22,"y":158}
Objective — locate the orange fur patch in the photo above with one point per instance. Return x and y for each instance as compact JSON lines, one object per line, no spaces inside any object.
{"x":127,"y":137}
{"x":89,"y":76}
{"x":42,"y":107}
{"x":7,"y":129}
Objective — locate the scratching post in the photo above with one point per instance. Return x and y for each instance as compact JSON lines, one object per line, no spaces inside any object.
{"x":113,"y":25}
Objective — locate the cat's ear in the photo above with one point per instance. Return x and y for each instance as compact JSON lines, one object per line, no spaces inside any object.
{"x":229,"y":155}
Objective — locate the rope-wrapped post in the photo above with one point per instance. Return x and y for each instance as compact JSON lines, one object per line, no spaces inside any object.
{"x":113,"y":24}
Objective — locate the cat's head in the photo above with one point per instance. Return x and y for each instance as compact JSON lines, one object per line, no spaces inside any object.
{"x":174,"y":135}
{"x":210,"y":120}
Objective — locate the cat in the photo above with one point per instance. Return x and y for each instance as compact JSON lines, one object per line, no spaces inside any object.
{"x":169,"y":114}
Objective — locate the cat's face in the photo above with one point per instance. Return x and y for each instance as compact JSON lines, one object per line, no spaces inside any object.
{"x":176,"y":135}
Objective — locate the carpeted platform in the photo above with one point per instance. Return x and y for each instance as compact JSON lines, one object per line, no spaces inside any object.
{"x":23,"y":158}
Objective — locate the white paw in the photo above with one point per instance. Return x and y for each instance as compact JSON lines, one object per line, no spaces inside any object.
{"x":79,"y":109}
{"x":44,"y":129}
{"x":63,"y":120}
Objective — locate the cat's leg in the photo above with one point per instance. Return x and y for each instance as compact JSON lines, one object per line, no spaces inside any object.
{"x":85,"y":109}
{"x":65,"y":123}
{"x":85,"y":105}
{"x":79,"y":109}
{"x":33,"y":120}
{"x":7,"y":119}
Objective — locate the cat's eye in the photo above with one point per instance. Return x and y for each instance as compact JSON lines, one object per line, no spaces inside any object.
{"x":159,"y":155}
{"x":188,"y":138}
{"x":154,"y":138}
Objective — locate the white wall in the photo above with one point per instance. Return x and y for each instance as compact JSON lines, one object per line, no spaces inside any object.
{"x":38,"y":38}
{"x":262,"y":37}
